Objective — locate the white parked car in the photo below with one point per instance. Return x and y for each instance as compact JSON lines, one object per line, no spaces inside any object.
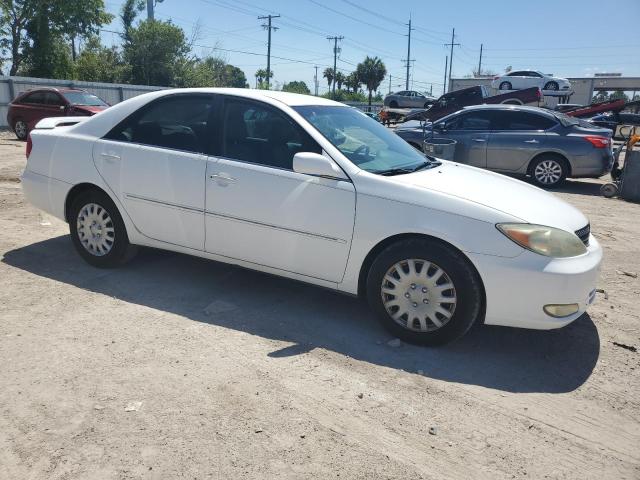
{"x":530,"y":78}
{"x":313,"y":190}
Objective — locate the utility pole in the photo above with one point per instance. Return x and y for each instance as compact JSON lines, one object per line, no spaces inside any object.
{"x":315,"y":80}
{"x":269,"y":28}
{"x":480,"y":62}
{"x":444,"y":88}
{"x":408,"y":53}
{"x":453,"y":36}
{"x":336,"y":50}
{"x":150,"y":9}
{"x":389,"y":83}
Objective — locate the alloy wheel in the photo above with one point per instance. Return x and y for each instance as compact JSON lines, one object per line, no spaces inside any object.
{"x":548,"y":172}
{"x":20,"y":129}
{"x":95,"y":229}
{"x":418,"y":295}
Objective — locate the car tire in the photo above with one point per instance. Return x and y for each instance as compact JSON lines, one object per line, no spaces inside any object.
{"x":548,"y":171}
{"x":98,"y":232}
{"x":551,"y":86}
{"x":393,"y":104}
{"x":505,"y":86}
{"x":428,"y":268}
{"x":20,"y":129}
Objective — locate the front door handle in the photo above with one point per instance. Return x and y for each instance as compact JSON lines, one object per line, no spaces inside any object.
{"x":532,"y":141}
{"x":222,"y":178}
{"x":110,"y":156}
{"x":479,"y":140}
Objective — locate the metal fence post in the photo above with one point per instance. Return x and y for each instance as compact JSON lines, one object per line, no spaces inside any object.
{"x":121,"y":93}
{"x":12,"y":89}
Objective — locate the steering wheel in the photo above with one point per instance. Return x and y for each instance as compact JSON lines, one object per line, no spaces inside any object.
{"x":362,"y":150}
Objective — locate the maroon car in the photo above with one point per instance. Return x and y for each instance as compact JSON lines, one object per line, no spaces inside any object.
{"x":33,"y":105}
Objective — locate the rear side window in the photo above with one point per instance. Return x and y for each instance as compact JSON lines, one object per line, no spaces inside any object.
{"x":514,"y":120}
{"x":257,"y":133}
{"x":37,"y":98}
{"x":178,"y":122}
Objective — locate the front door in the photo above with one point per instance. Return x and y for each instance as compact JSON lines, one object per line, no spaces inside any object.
{"x":259,"y":210}
{"x":471,"y":132}
{"x":155,"y":165}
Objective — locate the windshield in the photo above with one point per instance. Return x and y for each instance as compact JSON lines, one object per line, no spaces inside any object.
{"x":365,"y":142}
{"x":83,"y":98}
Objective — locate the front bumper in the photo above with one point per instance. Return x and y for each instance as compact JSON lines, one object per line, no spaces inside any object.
{"x":518,"y":288}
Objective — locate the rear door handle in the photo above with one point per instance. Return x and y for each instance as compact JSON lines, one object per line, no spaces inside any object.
{"x":532,"y":141}
{"x":221,"y":177}
{"x":110,"y":156}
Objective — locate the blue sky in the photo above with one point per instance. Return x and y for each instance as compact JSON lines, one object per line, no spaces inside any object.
{"x":571,"y":38}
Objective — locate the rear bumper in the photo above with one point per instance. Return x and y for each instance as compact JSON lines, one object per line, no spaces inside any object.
{"x":518,"y":288}
{"x":45,"y":193}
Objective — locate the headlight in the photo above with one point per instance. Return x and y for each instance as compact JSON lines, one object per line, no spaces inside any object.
{"x":547,"y":241}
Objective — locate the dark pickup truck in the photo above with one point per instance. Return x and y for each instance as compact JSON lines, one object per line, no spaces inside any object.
{"x":454,"y":101}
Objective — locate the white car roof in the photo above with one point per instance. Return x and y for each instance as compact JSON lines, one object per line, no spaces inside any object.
{"x":101,"y":123}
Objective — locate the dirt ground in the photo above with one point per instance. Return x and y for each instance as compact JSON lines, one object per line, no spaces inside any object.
{"x":178,"y":367}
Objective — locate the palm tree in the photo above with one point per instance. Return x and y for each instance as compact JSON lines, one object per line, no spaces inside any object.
{"x":261,"y":76}
{"x":371,"y":72}
{"x":352,"y":82}
{"x":328,"y":74}
{"x":340,"y":79}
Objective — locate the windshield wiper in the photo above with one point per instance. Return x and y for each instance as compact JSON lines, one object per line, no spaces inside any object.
{"x":401,"y":171}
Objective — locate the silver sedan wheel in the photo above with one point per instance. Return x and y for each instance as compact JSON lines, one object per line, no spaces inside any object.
{"x":548,"y":172}
{"x":418,"y":295}
{"x":95,"y":229}
{"x":20,"y":129}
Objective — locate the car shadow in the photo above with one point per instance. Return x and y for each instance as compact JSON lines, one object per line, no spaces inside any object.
{"x":507,"y":359}
{"x":580,"y":187}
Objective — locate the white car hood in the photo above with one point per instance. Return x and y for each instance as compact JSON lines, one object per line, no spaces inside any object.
{"x":513,"y":197}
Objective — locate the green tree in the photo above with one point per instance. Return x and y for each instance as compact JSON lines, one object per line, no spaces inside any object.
{"x":212,"y":72}
{"x":97,"y":63}
{"x":128,"y":14}
{"x":371,"y":72}
{"x":340,"y":78}
{"x":296,"y":87}
{"x":618,"y":95}
{"x":328,"y":74}
{"x":261,"y":78}
{"x":156,"y":53}
{"x":33,"y":30}
{"x":352,"y":82}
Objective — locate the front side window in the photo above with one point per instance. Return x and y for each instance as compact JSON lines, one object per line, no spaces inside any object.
{"x":365,"y":142}
{"x":84,"y":98}
{"x":53,"y":99}
{"x":257,"y":133}
{"x":471,"y":121}
{"x":177,"y":122}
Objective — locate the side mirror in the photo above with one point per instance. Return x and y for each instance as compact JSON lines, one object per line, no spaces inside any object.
{"x":317,"y":165}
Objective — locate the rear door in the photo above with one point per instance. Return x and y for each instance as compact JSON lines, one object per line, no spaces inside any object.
{"x":154,"y":163}
{"x":471,"y":131}
{"x":516,"y":138}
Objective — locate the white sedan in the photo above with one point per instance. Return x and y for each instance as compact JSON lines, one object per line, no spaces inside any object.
{"x":530,"y":78}
{"x":313,"y":190}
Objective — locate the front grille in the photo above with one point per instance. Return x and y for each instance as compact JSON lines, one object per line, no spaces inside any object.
{"x":583,"y":234}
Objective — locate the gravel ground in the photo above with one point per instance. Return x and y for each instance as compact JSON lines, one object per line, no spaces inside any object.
{"x":178,"y":367}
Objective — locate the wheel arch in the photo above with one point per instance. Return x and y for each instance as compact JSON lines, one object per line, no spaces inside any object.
{"x":382,"y":244}
{"x":553,"y":154}
{"x":79,"y":189}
